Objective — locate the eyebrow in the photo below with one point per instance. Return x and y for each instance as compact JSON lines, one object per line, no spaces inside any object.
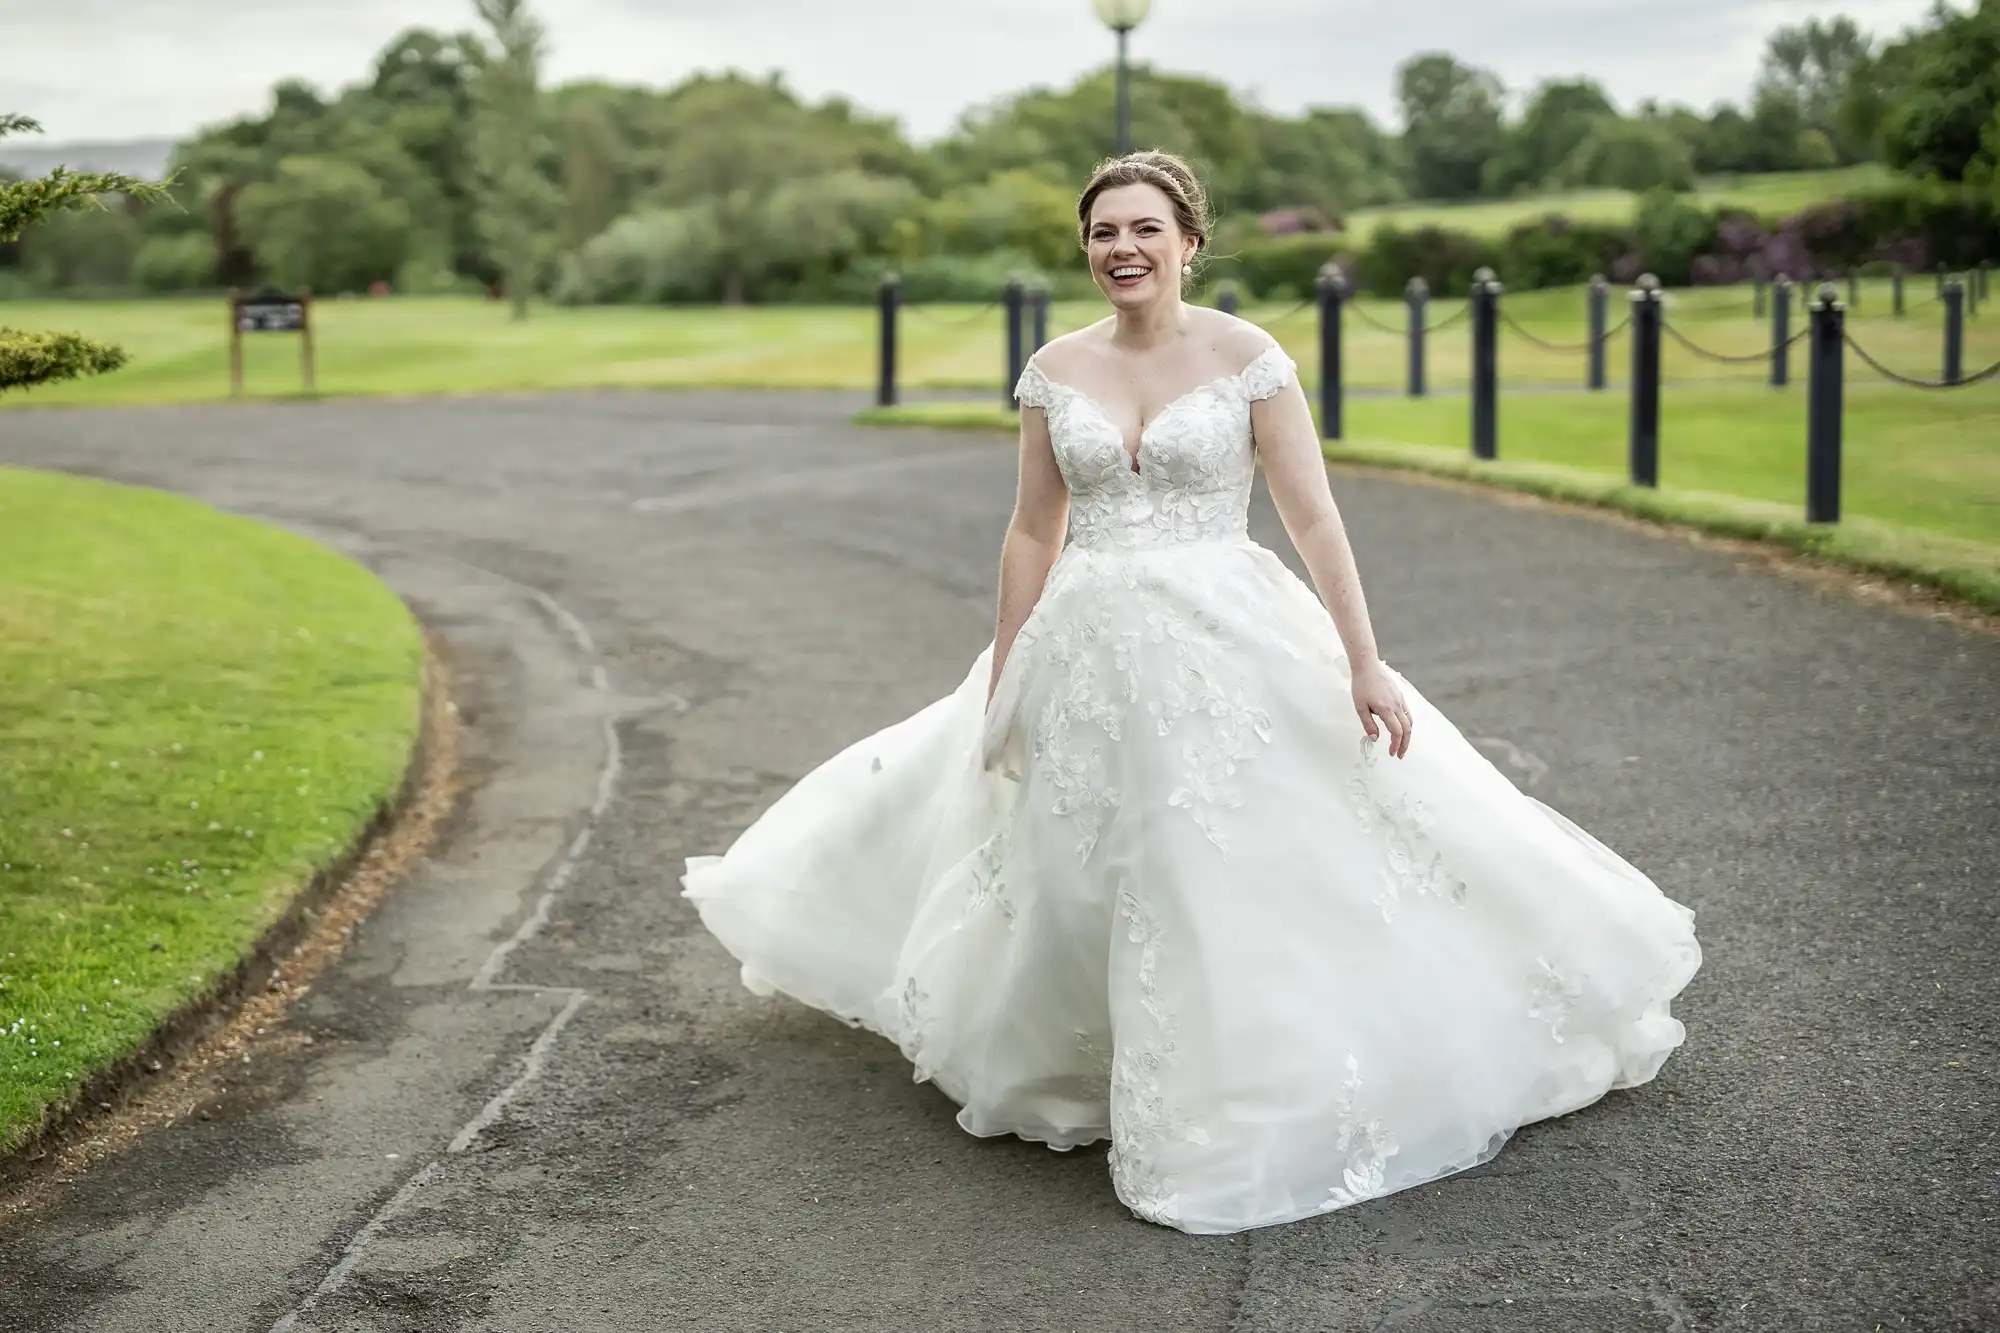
{"x":1135,"y":222}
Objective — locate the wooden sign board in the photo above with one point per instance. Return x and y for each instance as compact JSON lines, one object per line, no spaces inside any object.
{"x":269,"y":312}
{"x":263,"y":314}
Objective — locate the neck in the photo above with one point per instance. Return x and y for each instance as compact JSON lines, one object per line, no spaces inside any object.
{"x":1149,"y":326}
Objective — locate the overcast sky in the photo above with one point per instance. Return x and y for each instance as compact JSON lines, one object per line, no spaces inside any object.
{"x":95,"y":69}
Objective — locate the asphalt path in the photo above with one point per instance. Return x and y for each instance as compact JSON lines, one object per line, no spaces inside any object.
{"x":537,"y":1099}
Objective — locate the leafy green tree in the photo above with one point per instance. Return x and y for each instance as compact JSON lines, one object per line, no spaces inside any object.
{"x":1629,"y":155}
{"x":324,"y":223}
{"x":516,"y":202}
{"x":1333,"y":159}
{"x":1559,"y":116}
{"x":28,"y":359}
{"x":1943,"y":89}
{"x":1816,"y":65}
{"x":1451,"y":118}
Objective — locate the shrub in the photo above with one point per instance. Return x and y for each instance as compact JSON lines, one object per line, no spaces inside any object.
{"x":1444,"y":259}
{"x":1553,"y":251}
{"x":1267,"y":266}
{"x":1671,"y":232}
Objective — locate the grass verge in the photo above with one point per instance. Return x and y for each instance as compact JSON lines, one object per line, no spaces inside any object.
{"x":202,"y":712}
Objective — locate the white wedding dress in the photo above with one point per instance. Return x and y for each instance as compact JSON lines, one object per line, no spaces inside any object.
{"x":1162,"y":892}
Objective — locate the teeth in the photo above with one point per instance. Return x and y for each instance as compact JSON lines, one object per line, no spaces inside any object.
{"x":1129,"y":272}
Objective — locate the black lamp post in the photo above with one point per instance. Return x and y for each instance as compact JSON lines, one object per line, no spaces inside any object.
{"x":1121,"y":16}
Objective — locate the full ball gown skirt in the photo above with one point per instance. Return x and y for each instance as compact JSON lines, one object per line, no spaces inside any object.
{"x":1164,"y":892}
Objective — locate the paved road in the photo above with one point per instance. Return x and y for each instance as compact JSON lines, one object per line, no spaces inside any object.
{"x":761,"y":583}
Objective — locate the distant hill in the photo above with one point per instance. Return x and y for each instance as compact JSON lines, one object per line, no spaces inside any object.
{"x":147,"y":158}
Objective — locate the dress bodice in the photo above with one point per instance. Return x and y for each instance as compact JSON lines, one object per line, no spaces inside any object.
{"x":1195,"y":461}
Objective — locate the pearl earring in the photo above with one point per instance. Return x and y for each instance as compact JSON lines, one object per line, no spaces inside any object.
{"x":1187,"y":270}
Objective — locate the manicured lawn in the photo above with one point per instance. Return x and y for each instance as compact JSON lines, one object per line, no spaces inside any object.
{"x":200,"y":710}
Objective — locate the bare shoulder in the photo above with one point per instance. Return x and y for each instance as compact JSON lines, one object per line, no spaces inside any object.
{"x":1237,"y":342}
{"x":1061,"y":358}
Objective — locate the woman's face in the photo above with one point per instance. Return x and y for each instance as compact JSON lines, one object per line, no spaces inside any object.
{"x":1136,"y":249}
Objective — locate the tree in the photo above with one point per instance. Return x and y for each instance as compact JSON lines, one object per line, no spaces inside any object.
{"x":1636,"y":155}
{"x":1451,"y":119}
{"x":516,"y":201}
{"x":1559,"y":117}
{"x":1816,"y":65}
{"x":1943,"y":90}
{"x":324,"y":223}
{"x":28,"y":359}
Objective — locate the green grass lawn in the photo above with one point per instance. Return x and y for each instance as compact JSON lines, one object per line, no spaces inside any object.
{"x":462,"y":346}
{"x":1771,"y":195}
{"x":200,"y":711}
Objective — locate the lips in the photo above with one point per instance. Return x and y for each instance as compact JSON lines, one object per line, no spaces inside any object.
{"x":1129,"y":275}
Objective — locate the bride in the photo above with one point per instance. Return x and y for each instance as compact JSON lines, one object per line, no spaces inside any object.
{"x":1146,"y":875}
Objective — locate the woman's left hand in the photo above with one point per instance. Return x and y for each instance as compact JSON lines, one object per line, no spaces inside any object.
{"x":1376,"y":694}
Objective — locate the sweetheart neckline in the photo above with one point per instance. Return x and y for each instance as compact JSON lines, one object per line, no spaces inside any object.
{"x":1135,"y":457}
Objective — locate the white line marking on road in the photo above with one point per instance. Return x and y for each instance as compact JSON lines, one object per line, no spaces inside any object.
{"x":352,"y":1254}
{"x":483,"y":980}
{"x":531,"y":1068}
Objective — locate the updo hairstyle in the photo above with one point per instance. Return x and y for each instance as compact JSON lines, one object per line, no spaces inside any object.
{"x":1163,"y":171}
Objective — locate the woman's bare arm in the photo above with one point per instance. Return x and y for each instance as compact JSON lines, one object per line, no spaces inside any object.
{"x":1296,"y":472}
{"x":1034,"y":536}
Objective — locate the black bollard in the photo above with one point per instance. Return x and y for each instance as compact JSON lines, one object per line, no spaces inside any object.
{"x":1973,"y":296}
{"x":888,"y":300}
{"x":1038,"y":308}
{"x":1940,"y":282}
{"x":1643,"y":453}
{"x":1595,"y":302}
{"x":1781,"y":332}
{"x":1014,"y":296}
{"x":1416,"y":298}
{"x":1823,"y":405}
{"x":1757,"y":298}
{"x":1225,"y":298}
{"x":1954,"y":330}
{"x":1485,"y":364}
{"x":1896,"y":290}
{"x":1853,"y":290}
{"x":1332,"y":287}
{"x":1985,"y":280}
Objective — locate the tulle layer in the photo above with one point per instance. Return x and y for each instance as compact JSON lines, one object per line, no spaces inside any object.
{"x":1163,"y":892}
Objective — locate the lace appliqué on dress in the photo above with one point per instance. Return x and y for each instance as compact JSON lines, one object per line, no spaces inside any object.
{"x":1410,"y":864}
{"x":1551,"y":996}
{"x":1143,"y":1115}
{"x":1367,"y":1145}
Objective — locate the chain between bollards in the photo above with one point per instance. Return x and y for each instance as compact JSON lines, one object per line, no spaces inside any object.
{"x":1643,"y":445}
{"x":1824,"y":389}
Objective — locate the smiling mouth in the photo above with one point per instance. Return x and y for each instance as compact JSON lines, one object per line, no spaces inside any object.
{"x":1126,"y":275}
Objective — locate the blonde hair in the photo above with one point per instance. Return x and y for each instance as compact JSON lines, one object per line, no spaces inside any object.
{"x":1164,"y":172}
